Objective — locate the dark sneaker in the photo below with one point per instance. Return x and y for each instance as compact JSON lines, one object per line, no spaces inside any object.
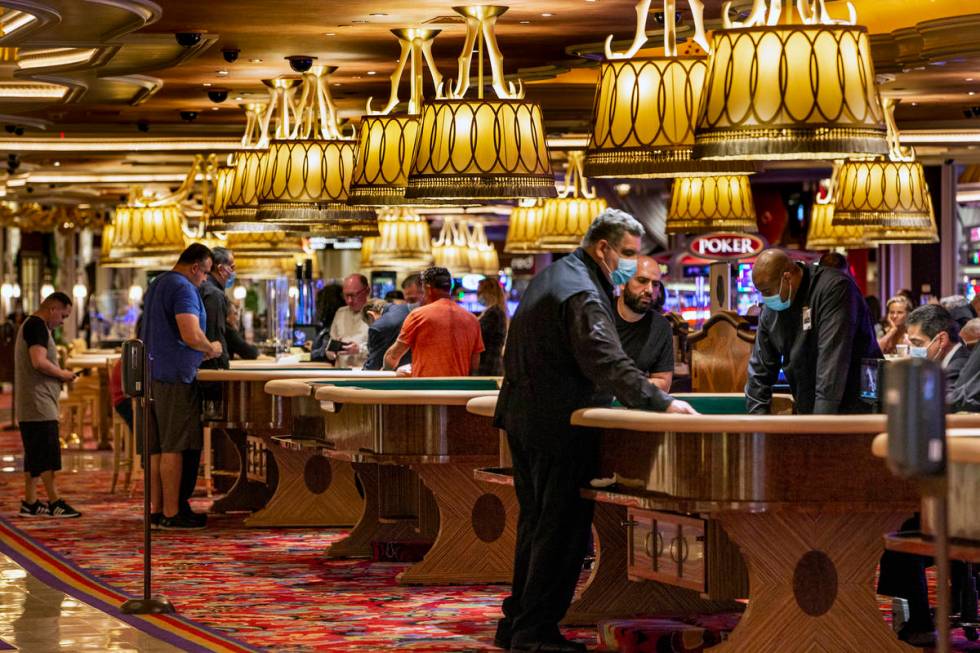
{"x":195,"y":517}
{"x":180,"y":522}
{"x":155,"y":518}
{"x":38,"y":509}
{"x":62,"y":510}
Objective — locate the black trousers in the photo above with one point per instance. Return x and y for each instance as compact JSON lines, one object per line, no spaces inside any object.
{"x":553,"y":532}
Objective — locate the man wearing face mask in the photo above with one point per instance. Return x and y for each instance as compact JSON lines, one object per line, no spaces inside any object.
{"x":816,"y":326}
{"x":934,"y":334}
{"x":645,"y":334}
{"x":563,"y":354}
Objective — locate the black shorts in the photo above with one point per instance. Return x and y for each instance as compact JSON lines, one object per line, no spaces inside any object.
{"x":42,"y":447}
{"x":175,"y":423}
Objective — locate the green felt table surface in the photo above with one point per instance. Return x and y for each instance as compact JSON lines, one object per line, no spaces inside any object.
{"x":714,"y":405}
{"x":461,"y":383}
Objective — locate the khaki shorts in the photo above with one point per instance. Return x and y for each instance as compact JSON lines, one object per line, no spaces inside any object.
{"x":175,"y":423}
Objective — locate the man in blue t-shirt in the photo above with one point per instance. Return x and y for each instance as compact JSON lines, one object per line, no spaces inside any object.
{"x":173,"y":330}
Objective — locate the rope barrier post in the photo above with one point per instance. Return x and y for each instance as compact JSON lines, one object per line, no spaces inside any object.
{"x":136,"y":385}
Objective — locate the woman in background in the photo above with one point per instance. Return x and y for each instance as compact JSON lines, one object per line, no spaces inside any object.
{"x":897,"y":310}
{"x":493,"y":325}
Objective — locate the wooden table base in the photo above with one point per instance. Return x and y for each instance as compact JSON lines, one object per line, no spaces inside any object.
{"x":477,"y":529}
{"x":372,"y":527}
{"x":312,"y":491}
{"x":609,"y":594}
{"x":246,"y":495}
{"x":811,"y":582}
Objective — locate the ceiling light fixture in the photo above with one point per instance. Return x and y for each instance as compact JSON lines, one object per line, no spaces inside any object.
{"x":777,"y":89}
{"x":524,"y":229}
{"x":449,"y":249}
{"x":823,"y":233}
{"x":646,"y":107}
{"x":387,"y":141}
{"x":889,"y":192}
{"x":404,"y":240}
{"x":306,"y":181}
{"x":566,"y":218}
{"x":481,"y":149}
{"x":704,"y":204}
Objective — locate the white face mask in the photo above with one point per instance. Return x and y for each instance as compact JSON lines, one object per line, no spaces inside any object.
{"x":921,"y":352}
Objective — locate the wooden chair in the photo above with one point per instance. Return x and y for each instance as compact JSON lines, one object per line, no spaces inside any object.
{"x":123,"y":453}
{"x":720,"y":354}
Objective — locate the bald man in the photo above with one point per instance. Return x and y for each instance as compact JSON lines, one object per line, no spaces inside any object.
{"x":645,"y":334}
{"x":348,"y":327}
{"x":816,"y":327}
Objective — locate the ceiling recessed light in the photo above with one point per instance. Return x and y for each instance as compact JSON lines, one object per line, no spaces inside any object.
{"x":256,"y":60}
{"x":358,"y":22}
{"x":214,"y":108}
{"x":239,"y":98}
{"x":207,"y":83}
{"x":525,"y":22}
{"x":377,"y":14}
{"x":371,"y":72}
{"x":57,"y":164}
{"x":331,"y":34}
{"x":972,"y":93}
{"x":337,"y":84}
{"x":547,"y":15}
{"x":969,"y":79}
{"x":221,"y":73}
{"x":915,"y":104}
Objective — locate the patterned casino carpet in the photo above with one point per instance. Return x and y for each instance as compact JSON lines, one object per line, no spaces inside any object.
{"x":267,"y":588}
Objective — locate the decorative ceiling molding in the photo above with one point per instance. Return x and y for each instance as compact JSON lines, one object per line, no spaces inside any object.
{"x":48,"y":60}
{"x":44,"y":16}
{"x":929,"y":42}
{"x":146,"y":86}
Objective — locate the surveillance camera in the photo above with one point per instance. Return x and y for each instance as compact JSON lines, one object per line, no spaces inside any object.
{"x":12,"y":156}
{"x":188,"y":116}
{"x":10,"y":128}
{"x":231,"y":54}
{"x":300,"y":62}
{"x":218,"y":95}
{"x":30,"y":189}
{"x":187,"y":39}
{"x":19,"y":131}
{"x":143,"y":125}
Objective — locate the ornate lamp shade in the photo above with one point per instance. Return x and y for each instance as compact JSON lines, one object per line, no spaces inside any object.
{"x":564,"y":221}
{"x":384,"y":158}
{"x":305,"y":184}
{"x":255,"y":266}
{"x":450,"y":249}
{"x":704,"y":204}
{"x":880,"y":235}
{"x":883,"y":192}
{"x":824,"y":234}
{"x":790,"y":92}
{"x":481,"y":149}
{"x":482,"y":254}
{"x":524,"y":230}
{"x":405,"y":240}
{"x":643,"y":120}
{"x":243,"y":200}
{"x":368,"y":245}
{"x":147,"y":231}
{"x":265,"y":243}
{"x":224,"y":178}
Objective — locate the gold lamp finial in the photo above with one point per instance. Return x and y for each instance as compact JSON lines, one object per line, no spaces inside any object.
{"x":416,"y":45}
{"x":670,"y":30}
{"x":480,"y":29}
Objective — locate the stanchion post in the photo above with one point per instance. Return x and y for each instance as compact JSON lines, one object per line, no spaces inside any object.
{"x":136,"y":384}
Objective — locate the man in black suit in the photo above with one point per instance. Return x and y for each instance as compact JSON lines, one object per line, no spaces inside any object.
{"x":385,"y":323}
{"x":934,"y":334}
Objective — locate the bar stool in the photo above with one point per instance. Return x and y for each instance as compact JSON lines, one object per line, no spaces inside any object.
{"x":123,"y":452}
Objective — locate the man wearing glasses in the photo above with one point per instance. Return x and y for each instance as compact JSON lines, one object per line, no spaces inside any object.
{"x":645,"y":334}
{"x":815,"y":325}
{"x":349,"y":330}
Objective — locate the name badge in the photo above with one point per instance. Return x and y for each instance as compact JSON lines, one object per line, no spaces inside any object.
{"x":807,"y":319}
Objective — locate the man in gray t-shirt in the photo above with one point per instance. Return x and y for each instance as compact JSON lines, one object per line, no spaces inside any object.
{"x":37,"y":385}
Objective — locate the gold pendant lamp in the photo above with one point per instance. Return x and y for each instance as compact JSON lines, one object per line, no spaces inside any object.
{"x":703,"y":204}
{"x":308,"y":173}
{"x":524,"y":230}
{"x":889,"y":192}
{"x":450,"y":248}
{"x":143,"y":230}
{"x":368,"y":245}
{"x":646,"y":107}
{"x":276,"y":244}
{"x":882,"y":235}
{"x":566,"y":218}
{"x":823,"y":233}
{"x":387,"y":141}
{"x":404,"y":241}
{"x":481,"y":149}
{"x":789,"y":83}
{"x":482,"y":254}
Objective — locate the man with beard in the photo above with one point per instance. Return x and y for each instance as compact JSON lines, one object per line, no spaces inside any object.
{"x":645,"y":334}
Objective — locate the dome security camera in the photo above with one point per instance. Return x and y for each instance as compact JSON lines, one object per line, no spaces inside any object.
{"x":188,"y":116}
{"x":143,"y":125}
{"x":218,"y":95}
{"x":231,"y":54}
{"x":187,"y":39}
{"x":300,"y":62}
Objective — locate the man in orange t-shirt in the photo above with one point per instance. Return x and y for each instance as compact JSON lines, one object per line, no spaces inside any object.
{"x":444,"y":337}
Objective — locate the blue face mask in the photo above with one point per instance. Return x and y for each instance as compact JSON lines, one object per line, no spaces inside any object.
{"x":921,"y":352}
{"x":624,"y":271}
{"x":231,"y":281}
{"x":776,"y":302}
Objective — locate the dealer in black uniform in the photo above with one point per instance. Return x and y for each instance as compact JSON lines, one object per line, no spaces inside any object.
{"x":563,"y":354}
{"x":645,"y":334}
{"x":816,"y":327}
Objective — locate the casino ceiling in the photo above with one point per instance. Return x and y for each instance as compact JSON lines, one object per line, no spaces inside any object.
{"x":115,"y":69}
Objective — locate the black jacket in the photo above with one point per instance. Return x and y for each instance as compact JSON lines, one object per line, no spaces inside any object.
{"x":238,"y":346}
{"x":493,"y":326}
{"x":955,"y":367}
{"x":964,"y":395}
{"x":383,"y":333}
{"x":822,"y":363}
{"x":216,"y":307}
{"x":563,"y":354}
